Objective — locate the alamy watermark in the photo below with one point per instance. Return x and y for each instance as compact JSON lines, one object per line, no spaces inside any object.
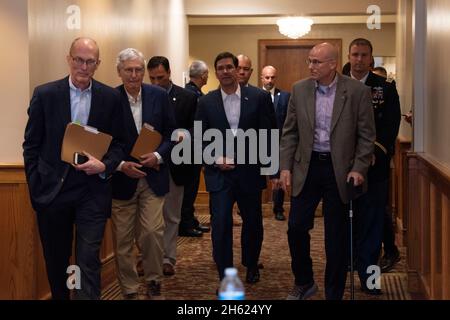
{"x":242,"y":147}
{"x":374,"y":20}
{"x":74,"y":278}
{"x":374,"y":280}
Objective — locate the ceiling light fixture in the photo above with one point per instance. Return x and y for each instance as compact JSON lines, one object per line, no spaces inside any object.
{"x":294,"y":27}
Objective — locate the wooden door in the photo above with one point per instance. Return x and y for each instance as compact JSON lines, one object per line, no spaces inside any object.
{"x":288,"y":57}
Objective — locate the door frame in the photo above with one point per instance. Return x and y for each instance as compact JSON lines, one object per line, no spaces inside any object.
{"x":265,"y":44}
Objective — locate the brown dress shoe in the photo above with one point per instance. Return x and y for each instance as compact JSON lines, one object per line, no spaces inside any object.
{"x":168,"y":269}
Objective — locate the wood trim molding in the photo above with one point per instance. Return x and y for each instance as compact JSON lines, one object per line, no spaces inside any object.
{"x":12,"y":173}
{"x":23,"y":274}
{"x":428,"y":219}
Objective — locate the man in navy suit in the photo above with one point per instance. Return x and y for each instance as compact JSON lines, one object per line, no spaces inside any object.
{"x":234,"y":107}
{"x":63,"y":194}
{"x":140,"y":185}
{"x":184,"y":104}
{"x":280,"y":101}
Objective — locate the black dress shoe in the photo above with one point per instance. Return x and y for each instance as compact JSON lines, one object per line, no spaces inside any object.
{"x":388,"y":262}
{"x":203,"y":228}
{"x":190,"y":233}
{"x":280,"y":216}
{"x":252,"y":275}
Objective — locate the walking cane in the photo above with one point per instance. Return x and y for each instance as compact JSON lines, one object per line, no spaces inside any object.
{"x":351,"y":192}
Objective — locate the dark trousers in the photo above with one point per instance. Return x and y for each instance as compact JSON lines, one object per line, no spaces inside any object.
{"x":370,"y":211}
{"x":278,"y":200}
{"x":388,"y":234}
{"x":222,"y":224}
{"x":188,"y":220}
{"x":74,"y":205}
{"x":320,"y":184}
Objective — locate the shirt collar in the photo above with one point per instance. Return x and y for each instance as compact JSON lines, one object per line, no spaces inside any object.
{"x":271,"y":91}
{"x":169,"y":88}
{"x":72,"y":86}
{"x":238,"y":93}
{"x":131,"y":98}
{"x":363,"y":79}
{"x":325,"y":89}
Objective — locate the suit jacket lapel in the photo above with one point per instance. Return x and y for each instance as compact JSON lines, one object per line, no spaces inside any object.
{"x":147,"y":110}
{"x":311,"y":104}
{"x":129,"y":119}
{"x":244,"y":106}
{"x":339,"y":102}
{"x":66,"y":113}
{"x":96,"y":104}
{"x":221,"y":109}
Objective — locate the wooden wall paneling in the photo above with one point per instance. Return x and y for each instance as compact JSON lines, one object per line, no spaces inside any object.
{"x":22,"y":267}
{"x":428,"y":227}
{"x":17,"y":245}
{"x":445,"y":229}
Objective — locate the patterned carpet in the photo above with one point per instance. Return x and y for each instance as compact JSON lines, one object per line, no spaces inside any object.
{"x":196,"y":276}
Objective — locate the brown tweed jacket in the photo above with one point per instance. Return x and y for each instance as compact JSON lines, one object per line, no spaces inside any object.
{"x":352,"y":132}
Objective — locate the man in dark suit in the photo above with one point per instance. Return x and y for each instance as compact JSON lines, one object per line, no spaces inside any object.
{"x":198,"y":77}
{"x":139,"y":185}
{"x":63,"y":194}
{"x":233,"y":108}
{"x":327,"y":140}
{"x":280,"y":101}
{"x":372,"y":208}
{"x":184,"y":104}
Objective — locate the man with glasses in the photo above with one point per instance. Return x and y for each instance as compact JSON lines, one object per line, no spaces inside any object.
{"x":63,"y":194}
{"x":236,"y":108}
{"x":140,"y":185}
{"x":327,"y":140}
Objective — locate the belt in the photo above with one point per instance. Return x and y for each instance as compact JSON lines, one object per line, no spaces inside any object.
{"x":321,"y":156}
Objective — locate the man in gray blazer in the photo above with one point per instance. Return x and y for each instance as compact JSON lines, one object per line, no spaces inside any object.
{"x":327,"y":139}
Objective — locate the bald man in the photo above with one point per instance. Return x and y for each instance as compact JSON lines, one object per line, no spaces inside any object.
{"x":280,"y":101}
{"x":63,"y":194}
{"x":244,"y":69}
{"x":327,"y":140}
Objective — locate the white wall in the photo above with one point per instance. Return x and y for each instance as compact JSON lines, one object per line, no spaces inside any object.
{"x":14,"y":79}
{"x":437,"y":70}
{"x":36,"y":41}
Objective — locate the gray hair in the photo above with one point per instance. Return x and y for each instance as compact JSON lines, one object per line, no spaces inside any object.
{"x":197,"y":69}
{"x":129,"y":54}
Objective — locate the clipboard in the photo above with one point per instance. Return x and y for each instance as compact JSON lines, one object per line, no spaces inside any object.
{"x":79,"y":138}
{"x":148,"y":141}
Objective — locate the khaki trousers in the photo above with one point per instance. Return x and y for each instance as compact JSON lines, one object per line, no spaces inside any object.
{"x":172,"y":217}
{"x":139,"y":219}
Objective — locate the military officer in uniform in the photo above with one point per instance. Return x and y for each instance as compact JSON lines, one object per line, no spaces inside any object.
{"x":371,"y":208}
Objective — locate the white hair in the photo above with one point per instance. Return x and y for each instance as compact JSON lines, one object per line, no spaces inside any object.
{"x":197,"y":69}
{"x":129,"y":54}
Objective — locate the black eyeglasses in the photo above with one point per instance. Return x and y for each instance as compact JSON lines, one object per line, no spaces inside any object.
{"x":79,"y":62}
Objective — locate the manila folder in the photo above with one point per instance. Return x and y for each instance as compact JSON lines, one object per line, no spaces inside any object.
{"x":78,"y":138}
{"x":148,"y":141}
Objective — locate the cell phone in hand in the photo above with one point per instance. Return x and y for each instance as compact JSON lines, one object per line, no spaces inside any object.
{"x":79,"y":158}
